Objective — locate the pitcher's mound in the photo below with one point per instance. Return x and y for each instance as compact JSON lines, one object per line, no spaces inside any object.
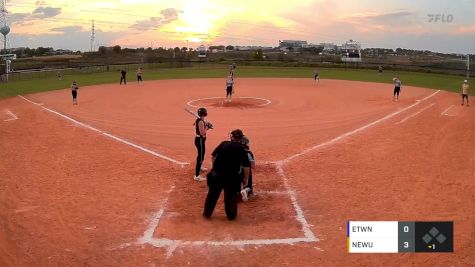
{"x":243,"y":102}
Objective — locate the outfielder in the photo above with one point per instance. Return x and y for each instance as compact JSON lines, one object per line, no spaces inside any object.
{"x":74,"y":92}
{"x":139,"y":75}
{"x":316,"y":75}
{"x":123,"y":74}
{"x":465,"y":89}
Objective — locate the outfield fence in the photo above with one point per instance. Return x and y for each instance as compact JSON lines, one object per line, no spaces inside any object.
{"x":449,"y":67}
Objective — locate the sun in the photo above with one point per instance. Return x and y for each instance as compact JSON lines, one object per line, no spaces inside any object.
{"x":198,"y":21}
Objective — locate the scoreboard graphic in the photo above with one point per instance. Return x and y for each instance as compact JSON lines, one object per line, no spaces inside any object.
{"x":399,"y":237}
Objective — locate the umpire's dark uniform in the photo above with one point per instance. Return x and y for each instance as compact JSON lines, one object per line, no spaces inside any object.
{"x":226,"y":175}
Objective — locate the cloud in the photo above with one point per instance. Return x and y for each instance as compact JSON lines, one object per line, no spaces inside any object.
{"x":399,"y":19}
{"x":46,"y":12}
{"x":431,"y":41}
{"x":67,"y":29}
{"x":465,"y":30}
{"x":18,"y":17}
{"x":148,"y":24}
{"x":168,"y":15}
{"x":403,"y":22}
{"x":387,"y":17}
{"x":38,"y":13}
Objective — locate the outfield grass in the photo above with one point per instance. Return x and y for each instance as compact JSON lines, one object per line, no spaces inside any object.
{"x":436,"y":81}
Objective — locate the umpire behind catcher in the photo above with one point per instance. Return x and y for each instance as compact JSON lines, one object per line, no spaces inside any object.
{"x":229,"y":160}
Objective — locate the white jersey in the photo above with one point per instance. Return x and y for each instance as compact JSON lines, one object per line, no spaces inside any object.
{"x":229,"y":83}
{"x":465,"y":88}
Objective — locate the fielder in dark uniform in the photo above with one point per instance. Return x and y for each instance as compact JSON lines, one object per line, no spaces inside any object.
{"x":122,"y":76}
{"x":229,"y":160}
{"x":74,"y":92}
{"x":200,"y":142}
{"x":231,"y":70}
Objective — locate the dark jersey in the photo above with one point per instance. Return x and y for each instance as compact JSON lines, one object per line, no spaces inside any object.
{"x":197,"y":127}
{"x":229,"y":157}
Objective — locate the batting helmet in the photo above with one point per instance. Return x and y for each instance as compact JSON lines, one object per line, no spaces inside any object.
{"x":202,"y":112}
{"x":237,"y":134}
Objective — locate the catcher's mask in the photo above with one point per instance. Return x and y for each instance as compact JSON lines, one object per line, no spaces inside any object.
{"x":245,"y":141}
{"x":236,"y":135}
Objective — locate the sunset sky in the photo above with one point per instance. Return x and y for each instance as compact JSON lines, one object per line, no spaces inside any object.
{"x":143,"y":23}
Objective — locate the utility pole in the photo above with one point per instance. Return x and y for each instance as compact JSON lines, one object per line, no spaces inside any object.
{"x":4,"y":29}
{"x":93,"y":36}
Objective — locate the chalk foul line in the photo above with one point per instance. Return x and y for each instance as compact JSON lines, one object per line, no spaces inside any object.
{"x":362,"y":128}
{"x":293,"y":198}
{"x":111,"y":136}
{"x":415,"y":113}
{"x":446,"y":112}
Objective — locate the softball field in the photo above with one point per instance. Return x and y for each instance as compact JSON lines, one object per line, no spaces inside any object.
{"x":109,"y":182}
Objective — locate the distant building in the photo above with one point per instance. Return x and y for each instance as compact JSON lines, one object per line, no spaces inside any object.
{"x":312,"y":46}
{"x":64,"y":51}
{"x":329,"y":48}
{"x":375,"y":52}
{"x":251,"y":48}
{"x":291,"y":44}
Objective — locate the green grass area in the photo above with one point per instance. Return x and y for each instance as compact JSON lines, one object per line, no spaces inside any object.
{"x":428,"y":80}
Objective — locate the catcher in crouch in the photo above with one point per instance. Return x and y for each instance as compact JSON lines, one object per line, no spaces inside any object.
{"x":247,"y":185}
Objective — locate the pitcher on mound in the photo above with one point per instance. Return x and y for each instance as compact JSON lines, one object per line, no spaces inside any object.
{"x":229,"y":88}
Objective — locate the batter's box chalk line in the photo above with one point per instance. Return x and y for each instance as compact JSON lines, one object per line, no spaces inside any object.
{"x":172,"y":244}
